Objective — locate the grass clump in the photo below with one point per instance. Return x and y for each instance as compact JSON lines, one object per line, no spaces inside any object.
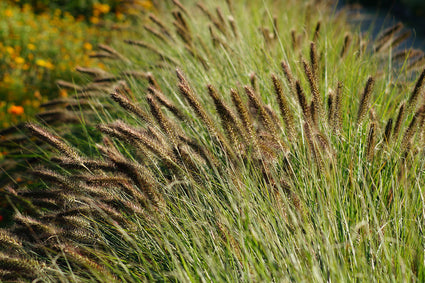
{"x":208,"y":153}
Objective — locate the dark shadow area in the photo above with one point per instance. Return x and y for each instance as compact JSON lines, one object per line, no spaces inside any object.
{"x":380,"y":14}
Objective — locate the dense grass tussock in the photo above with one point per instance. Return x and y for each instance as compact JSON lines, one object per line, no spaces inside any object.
{"x":234,"y":141}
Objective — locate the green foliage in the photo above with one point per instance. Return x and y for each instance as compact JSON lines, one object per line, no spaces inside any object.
{"x":75,"y":8}
{"x":35,"y":51}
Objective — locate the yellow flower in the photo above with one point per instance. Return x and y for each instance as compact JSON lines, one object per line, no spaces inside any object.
{"x":44,"y":63}
{"x":145,"y":4}
{"x":19,"y":60}
{"x":16,"y":110}
{"x":8,"y":13}
{"x":101,"y":8}
{"x":50,"y":66}
{"x":37,"y":95}
{"x":31,"y":46}
{"x":63,"y":93}
{"x":10,"y":50}
{"x":41,"y":62}
{"x":119,"y":16}
{"x":87,"y":46}
{"x":94,"y":20}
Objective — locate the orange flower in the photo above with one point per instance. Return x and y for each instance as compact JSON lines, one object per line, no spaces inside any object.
{"x":16,"y":110}
{"x":8,"y":13}
{"x":63,"y":93}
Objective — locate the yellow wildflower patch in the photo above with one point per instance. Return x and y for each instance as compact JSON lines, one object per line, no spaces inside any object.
{"x":87,"y":46}
{"x":10,"y":50}
{"x":44,"y":63}
{"x":19,"y":60}
{"x":101,"y":8}
{"x":94,"y":20}
{"x":31,"y":46}
{"x":8,"y":13}
{"x":146,"y":4}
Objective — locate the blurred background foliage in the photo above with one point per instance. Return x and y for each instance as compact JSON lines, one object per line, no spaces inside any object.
{"x":42,"y":41}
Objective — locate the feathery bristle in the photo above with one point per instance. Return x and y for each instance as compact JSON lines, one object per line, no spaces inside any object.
{"x":68,"y":85}
{"x":399,"y":120}
{"x":265,"y":117}
{"x":126,"y":104}
{"x":221,"y":21}
{"x":112,"y":51}
{"x":187,"y":92}
{"x":416,"y":63}
{"x":151,"y":48}
{"x":303,"y":102}
{"x":36,"y":228}
{"x":289,"y":77}
{"x":230,"y":122}
{"x":314,"y":114}
{"x":285,"y":110}
{"x":156,"y":33}
{"x":232,"y":23}
{"x":314,"y":90}
{"x":400,"y":39}
{"x":371,"y":141}
{"x":385,"y":38}
{"x":294,"y":39}
{"x":337,"y":119}
{"x":419,"y":86}
{"x":9,"y":241}
{"x":331,"y":108}
{"x":53,"y":140}
{"x":141,"y":177}
{"x":311,"y":143}
{"x":180,"y":6}
{"x":406,"y":54}
{"x":412,"y":128}
{"x":365,"y":100}
{"x":95,"y":72}
{"x":346,"y":46}
{"x":317,"y":32}
{"x":244,"y":116}
{"x":161,"y":25}
{"x":162,"y":119}
{"x":134,"y":136}
{"x":388,"y":129}
{"x":168,"y":104}
{"x":22,"y":267}
{"x":254,"y":82}
{"x":314,"y":62}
